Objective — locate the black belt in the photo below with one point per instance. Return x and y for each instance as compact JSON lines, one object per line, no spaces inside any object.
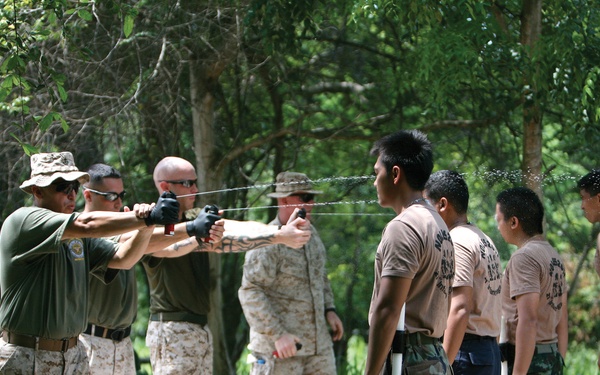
{"x":107,"y":333}
{"x":39,"y":343}
{"x":179,"y":317}
{"x":473,"y":337}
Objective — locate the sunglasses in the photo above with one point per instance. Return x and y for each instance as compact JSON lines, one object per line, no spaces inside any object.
{"x":306,"y":197}
{"x":185,"y":183}
{"x":66,"y":187}
{"x":109,"y":195}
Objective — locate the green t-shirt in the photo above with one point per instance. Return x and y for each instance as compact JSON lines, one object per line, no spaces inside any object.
{"x":114,"y":305}
{"x":44,"y":282}
{"x":179,"y":284}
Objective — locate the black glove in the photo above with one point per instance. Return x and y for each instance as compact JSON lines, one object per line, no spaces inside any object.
{"x":201,"y":224}
{"x":166,"y":210}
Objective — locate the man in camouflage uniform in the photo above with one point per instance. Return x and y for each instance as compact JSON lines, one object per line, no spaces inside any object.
{"x":46,"y":254}
{"x":414,"y":263}
{"x":286,"y":295}
{"x":534,"y":289}
{"x":178,"y":336}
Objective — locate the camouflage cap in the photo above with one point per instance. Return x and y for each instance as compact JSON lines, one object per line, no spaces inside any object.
{"x":48,"y":167}
{"x":289,"y":183}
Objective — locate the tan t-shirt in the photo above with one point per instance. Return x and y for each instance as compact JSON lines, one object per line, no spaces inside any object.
{"x":478,"y":266}
{"x":416,"y":245}
{"x":535,"y":268}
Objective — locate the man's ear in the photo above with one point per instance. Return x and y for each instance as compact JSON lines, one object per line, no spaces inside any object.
{"x":87,"y":195}
{"x":514,"y":222}
{"x":36,"y":191}
{"x":396,"y":174}
{"x":164,"y":186}
{"x":443,"y":204}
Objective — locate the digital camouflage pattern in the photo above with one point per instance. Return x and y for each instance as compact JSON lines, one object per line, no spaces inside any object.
{"x":178,"y":348}
{"x":17,"y":360}
{"x":314,"y":365}
{"x":286,"y":290}
{"x":109,"y":357}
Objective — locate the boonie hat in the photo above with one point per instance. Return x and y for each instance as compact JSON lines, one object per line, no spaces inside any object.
{"x":48,"y":167}
{"x":289,"y":183}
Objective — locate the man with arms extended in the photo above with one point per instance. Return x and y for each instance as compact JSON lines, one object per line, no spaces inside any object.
{"x":178,"y":336}
{"x":470,"y":339}
{"x":286,"y":295}
{"x":113,"y":307}
{"x":589,"y":190}
{"x":46,"y":254}
{"x":414,"y":263}
{"x":534,"y":289}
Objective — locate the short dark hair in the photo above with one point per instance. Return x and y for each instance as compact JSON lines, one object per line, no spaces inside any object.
{"x":590,"y":182}
{"x":409,"y":150}
{"x":452,"y":186}
{"x":524,"y":204}
{"x":99,"y":172}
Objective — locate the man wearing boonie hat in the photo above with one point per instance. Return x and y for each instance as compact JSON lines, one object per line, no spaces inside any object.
{"x":286,"y":296}
{"x":46,"y":254}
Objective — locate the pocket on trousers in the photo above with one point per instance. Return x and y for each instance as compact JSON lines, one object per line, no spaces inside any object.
{"x":481,"y":359}
{"x":261,"y":368}
{"x":425,"y":367}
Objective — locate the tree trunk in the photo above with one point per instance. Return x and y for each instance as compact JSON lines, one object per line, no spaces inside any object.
{"x":202,"y":102}
{"x":531,"y":18}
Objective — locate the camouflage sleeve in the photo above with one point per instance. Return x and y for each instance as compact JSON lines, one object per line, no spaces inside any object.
{"x":260,"y":271}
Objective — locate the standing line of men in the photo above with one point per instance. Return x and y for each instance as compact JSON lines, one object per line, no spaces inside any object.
{"x":414,"y":266}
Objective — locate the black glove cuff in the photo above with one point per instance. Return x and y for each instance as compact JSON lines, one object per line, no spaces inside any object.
{"x":189,"y":228}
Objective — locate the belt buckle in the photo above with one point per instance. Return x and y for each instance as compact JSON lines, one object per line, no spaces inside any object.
{"x":64,"y":345}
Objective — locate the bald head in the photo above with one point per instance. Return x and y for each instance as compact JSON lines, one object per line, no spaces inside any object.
{"x":169,"y":174}
{"x":172,"y":168}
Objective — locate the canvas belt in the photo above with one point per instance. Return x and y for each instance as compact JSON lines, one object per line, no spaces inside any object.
{"x":179,"y":317}
{"x":39,"y":343}
{"x":107,"y":333}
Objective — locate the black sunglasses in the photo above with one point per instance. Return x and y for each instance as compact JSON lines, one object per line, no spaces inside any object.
{"x":305,"y":197}
{"x":109,"y":195}
{"x":185,"y":183}
{"x":66,"y":187}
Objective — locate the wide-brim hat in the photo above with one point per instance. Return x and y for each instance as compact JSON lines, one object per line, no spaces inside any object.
{"x":289,"y":183}
{"x":48,"y":167}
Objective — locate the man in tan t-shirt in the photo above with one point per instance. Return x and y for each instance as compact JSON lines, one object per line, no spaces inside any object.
{"x":589,"y":190}
{"x":414,"y":263}
{"x":473,"y":327}
{"x":534,"y":290}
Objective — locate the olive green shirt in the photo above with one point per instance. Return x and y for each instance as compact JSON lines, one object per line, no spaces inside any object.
{"x":44,"y":282}
{"x":179,"y":284}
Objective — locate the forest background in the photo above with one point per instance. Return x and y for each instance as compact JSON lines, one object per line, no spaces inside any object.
{"x":507,"y":91}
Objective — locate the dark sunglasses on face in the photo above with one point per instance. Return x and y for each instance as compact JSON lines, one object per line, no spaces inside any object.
{"x":66,"y":187}
{"x":109,"y":195}
{"x":185,"y":183}
{"x":305,"y":197}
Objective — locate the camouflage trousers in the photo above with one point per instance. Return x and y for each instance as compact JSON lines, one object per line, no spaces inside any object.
{"x":18,"y":360}
{"x":180,"y":348}
{"x":109,"y":357}
{"x":425,"y":359}
{"x":323,"y":364}
{"x":546,"y":360}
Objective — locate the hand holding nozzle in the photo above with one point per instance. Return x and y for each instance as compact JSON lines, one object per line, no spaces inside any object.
{"x":298,"y":347}
{"x":200,"y":226}
{"x":166,"y":210}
